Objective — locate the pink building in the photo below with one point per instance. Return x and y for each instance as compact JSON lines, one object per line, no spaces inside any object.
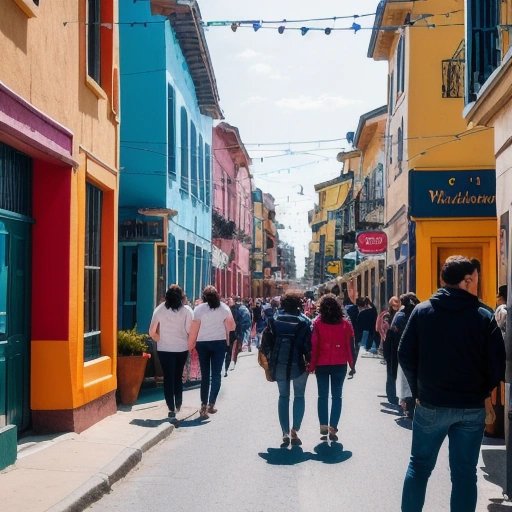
{"x":232,"y":213}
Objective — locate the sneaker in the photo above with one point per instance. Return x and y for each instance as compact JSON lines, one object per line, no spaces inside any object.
{"x":171,"y":415}
{"x":225,"y":374}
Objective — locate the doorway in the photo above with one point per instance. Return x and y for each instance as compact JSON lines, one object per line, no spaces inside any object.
{"x":15,"y":262}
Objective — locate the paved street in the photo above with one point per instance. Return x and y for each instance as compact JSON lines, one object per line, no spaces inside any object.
{"x":233,"y":461}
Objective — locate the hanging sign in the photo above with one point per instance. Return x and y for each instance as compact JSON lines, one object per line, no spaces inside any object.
{"x":372,"y":242}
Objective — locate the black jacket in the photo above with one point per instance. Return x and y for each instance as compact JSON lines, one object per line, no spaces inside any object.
{"x":452,"y":351}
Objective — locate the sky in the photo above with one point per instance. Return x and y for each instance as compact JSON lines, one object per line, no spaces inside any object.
{"x":287,"y":88}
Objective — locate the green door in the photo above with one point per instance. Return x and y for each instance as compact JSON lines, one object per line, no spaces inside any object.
{"x":14,"y":322}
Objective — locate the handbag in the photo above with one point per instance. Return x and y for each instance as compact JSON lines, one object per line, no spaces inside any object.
{"x":263,"y":362}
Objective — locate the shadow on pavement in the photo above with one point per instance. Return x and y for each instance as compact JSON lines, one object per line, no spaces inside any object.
{"x":330,"y":453}
{"x":494,"y":467}
{"x":404,"y":422}
{"x":496,"y":506}
{"x":393,"y":413}
{"x":285,"y":456}
{"x":149,"y":423}
{"x":187,"y":423}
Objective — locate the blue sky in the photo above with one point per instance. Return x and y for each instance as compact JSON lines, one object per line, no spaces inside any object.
{"x":291,"y":88}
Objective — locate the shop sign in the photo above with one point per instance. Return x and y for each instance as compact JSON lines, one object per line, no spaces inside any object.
{"x":141,"y":229}
{"x":452,"y":193}
{"x":372,"y":242}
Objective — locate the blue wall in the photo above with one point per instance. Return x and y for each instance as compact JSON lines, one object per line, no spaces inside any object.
{"x":156,"y":87}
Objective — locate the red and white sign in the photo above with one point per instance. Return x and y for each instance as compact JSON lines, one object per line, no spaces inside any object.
{"x":372,"y":242}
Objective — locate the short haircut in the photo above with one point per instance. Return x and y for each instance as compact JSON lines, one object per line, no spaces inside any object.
{"x":211,"y":297}
{"x":330,"y":310}
{"x":360,"y":302}
{"x":174,"y":297}
{"x":503,"y":291}
{"x":456,"y":268}
{"x":291,"y":301}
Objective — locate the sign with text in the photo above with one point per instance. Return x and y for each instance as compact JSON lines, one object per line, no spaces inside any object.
{"x":452,"y":193}
{"x":372,"y":242}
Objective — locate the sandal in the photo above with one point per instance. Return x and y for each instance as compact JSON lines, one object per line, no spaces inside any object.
{"x":203,"y":415}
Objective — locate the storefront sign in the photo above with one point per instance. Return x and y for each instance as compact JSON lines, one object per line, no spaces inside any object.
{"x":452,"y":193}
{"x":141,"y":229}
{"x":372,"y":242}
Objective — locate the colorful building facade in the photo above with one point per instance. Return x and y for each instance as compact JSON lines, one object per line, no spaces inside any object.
{"x":58,"y":213}
{"x":232,"y":213}
{"x":169,"y":100}
{"x":439,"y":175}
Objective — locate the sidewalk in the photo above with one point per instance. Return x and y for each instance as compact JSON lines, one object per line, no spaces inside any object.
{"x":67,"y":472}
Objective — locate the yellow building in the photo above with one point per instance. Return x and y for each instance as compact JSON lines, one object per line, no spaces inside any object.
{"x":439,"y":175}
{"x":58,"y":212}
{"x":363,"y":211}
{"x":489,"y":104}
{"x":324,"y":251}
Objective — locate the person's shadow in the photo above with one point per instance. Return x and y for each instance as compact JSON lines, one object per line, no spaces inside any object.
{"x":285,"y":457}
{"x":332,"y":453}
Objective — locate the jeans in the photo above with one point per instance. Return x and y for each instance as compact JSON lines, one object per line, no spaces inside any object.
{"x":391,"y":384}
{"x":336,"y":374}
{"x":299,"y":405}
{"x":464,"y":428}
{"x":211,"y":356}
{"x":172,"y":367}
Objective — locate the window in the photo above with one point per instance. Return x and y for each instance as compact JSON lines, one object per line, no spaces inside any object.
{"x":400,"y":152}
{"x":172,"y":259}
{"x":483,"y":51}
{"x":193,"y":159}
{"x":391,"y":92}
{"x":184,"y":150}
{"x":181,"y":263}
{"x":189,"y":277}
{"x":129,"y":290}
{"x":171,"y":133}
{"x":199,"y":268}
{"x":207,"y":173}
{"x":201,"y":169}
{"x":400,"y":65}
{"x":94,"y":39}
{"x":92,"y":277}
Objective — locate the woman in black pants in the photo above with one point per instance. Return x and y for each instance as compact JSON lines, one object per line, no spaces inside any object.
{"x":170,"y":327}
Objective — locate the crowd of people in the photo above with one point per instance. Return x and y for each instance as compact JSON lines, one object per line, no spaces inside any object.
{"x":443,"y":358}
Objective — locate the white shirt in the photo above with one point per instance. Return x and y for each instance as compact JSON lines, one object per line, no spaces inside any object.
{"x":174,"y":327}
{"x":212,"y":321}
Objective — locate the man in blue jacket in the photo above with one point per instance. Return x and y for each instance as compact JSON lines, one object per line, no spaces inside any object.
{"x":453,"y":356}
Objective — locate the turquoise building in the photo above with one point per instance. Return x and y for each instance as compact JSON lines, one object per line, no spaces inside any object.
{"x":169,"y":100}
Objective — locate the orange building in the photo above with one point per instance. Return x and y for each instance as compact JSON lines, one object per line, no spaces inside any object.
{"x":58,"y":213}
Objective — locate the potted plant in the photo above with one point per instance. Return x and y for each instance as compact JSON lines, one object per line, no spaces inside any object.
{"x":131,"y":364}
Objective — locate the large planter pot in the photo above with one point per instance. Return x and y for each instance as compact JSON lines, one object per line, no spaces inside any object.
{"x":130,"y":374}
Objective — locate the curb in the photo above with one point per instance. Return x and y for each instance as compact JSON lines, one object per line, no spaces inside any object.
{"x":101,"y":483}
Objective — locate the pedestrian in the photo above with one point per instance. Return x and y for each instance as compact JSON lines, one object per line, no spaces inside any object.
{"x":384,"y":320}
{"x":286,"y":343}
{"x":258,"y":321}
{"x":332,"y":345}
{"x":208,"y":334}
{"x":407,"y":302}
{"x":453,"y":356}
{"x":243,"y":323}
{"x":501,"y":310}
{"x":170,"y":327}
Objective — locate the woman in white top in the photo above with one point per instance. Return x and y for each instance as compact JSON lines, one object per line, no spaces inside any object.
{"x":170,"y":327}
{"x":209,"y":333}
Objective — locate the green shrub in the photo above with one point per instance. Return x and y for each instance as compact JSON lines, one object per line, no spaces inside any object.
{"x":131,"y":343}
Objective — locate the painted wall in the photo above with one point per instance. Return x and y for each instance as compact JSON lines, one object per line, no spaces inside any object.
{"x":154,"y":69}
{"x":60,"y":381}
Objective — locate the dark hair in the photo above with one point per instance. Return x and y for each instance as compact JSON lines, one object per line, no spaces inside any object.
{"x":335,"y":290}
{"x":211,"y":297}
{"x":409,"y":301}
{"x":174,"y":297}
{"x":330,"y":310}
{"x":360,"y":302}
{"x":456,"y":268}
{"x":503,"y":291}
{"x":291,"y":301}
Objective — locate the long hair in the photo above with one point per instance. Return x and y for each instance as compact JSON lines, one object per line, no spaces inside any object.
{"x":330,"y":310}
{"x":211,"y":297}
{"x":174,"y":297}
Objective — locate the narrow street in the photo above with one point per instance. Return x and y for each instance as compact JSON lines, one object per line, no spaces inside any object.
{"x":233,"y":461}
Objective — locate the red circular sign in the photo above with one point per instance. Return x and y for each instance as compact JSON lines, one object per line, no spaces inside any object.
{"x":372,"y":242}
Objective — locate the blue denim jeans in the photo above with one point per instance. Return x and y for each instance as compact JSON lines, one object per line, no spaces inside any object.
{"x":211,"y":356}
{"x":336,"y":374}
{"x":299,"y":405}
{"x":464,"y":428}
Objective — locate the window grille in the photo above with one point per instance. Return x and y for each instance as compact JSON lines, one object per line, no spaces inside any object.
{"x":15,"y":181}
{"x":92,"y":277}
